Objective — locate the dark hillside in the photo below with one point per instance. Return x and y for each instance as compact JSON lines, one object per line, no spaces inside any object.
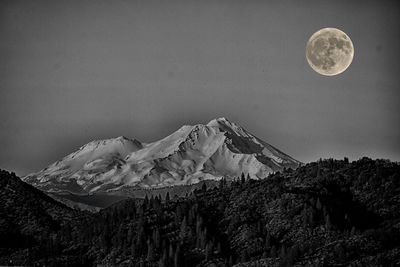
{"x":326,"y":213}
{"x":28,"y":219}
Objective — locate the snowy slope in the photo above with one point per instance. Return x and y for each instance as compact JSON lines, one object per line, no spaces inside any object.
{"x":189,"y":155}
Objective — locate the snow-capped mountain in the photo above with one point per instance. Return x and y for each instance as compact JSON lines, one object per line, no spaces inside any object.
{"x":189,"y":155}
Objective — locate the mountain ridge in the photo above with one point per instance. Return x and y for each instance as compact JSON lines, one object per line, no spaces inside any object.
{"x":189,"y":155}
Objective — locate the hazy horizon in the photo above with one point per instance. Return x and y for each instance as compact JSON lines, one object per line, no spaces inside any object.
{"x":76,"y":71}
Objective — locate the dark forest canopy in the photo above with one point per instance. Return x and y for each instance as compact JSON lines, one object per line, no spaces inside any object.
{"x":330,"y":212}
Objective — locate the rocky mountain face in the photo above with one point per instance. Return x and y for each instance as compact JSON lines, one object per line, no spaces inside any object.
{"x":189,"y":155}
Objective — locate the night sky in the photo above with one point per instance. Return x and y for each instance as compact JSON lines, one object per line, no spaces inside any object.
{"x":76,"y":71}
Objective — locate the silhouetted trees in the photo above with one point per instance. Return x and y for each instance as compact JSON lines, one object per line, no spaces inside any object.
{"x":324,"y":208}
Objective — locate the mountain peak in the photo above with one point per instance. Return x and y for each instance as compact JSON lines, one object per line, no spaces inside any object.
{"x":226,"y":125}
{"x":221,"y":121}
{"x":121,"y":140}
{"x":189,"y":155}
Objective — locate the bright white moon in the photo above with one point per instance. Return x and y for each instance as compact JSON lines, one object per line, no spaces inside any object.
{"x":329,"y":51}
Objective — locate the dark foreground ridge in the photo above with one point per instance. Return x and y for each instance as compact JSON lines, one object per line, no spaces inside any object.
{"x":326,"y":213}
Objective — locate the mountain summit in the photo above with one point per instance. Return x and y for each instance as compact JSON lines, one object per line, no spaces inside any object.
{"x":191,"y":154}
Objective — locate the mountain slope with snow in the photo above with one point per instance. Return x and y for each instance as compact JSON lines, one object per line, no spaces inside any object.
{"x":189,"y":155}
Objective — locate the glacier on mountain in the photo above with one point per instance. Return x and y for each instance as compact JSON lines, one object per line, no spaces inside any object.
{"x":191,"y":154}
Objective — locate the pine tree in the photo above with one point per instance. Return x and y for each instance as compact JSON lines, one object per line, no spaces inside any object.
{"x":328,"y":223}
{"x":140,"y":241}
{"x":292,"y":255}
{"x":163,"y":262}
{"x":221,"y":184}
{"x":150,"y":251}
{"x":204,"y":187}
{"x":209,"y":250}
{"x":177,"y":257}
{"x":156,"y":238}
{"x":105,"y":238}
{"x":353,"y":231}
{"x":219,"y":248}
{"x":273,"y":252}
{"x":230,"y":261}
{"x":268,"y":240}
{"x":242,"y":178}
{"x":145,"y":203}
{"x":282,"y":254}
{"x":178,"y":213}
{"x":318,"y":205}
{"x":183,"y":229}
{"x":171,"y":252}
{"x":133,"y":249}
{"x":244,"y":255}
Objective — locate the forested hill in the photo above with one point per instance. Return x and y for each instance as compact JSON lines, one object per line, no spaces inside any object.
{"x":327,"y":213}
{"x":28,"y":220}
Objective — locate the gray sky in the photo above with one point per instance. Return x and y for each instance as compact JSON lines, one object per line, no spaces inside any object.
{"x":75,"y":71}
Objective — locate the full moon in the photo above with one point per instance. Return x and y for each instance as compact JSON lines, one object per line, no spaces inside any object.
{"x":329,"y":51}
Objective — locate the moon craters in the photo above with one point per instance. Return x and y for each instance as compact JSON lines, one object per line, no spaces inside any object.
{"x":329,"y":51}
